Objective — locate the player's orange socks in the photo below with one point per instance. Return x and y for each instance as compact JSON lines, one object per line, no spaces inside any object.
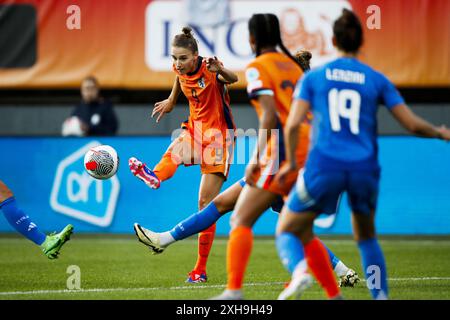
{"x":205,"y":241}
{"x":166,"y":167}
{"x":238,"y":253}
{"x":320,"y":265}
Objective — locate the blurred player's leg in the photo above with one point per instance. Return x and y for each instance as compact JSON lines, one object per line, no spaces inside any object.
{"x":17,"y":218}
{"x":347,"y":277}
{"x":306,"y":201}
{"x":290,"y":251}
{"x":291,"y":226}
{"x":315,"y":252}
{"x":251,"y":204}
{"x":203,"y":219}
{"x":193,"y":224}
{"x":371,"y":254}
{"x":362,"y":195}
{"x":20,"y":221}
{"x":319,"y":263}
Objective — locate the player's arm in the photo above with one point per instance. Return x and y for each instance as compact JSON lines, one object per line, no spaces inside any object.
{"x":405,"y":116}
{"x":296,"y":116}
{"x":224,"y":75}
{"x":300,"y":105}
{"x":166,"y":106}
{"x":418,"y":126}
{"x":268,"y":121}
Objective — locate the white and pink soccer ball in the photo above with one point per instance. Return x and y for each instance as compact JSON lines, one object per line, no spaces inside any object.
{"x":101,"y":162}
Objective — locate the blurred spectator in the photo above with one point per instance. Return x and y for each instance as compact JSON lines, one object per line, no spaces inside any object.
{"x":93,"y":116}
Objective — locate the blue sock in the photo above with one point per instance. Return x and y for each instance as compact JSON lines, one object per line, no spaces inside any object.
{"x":21,"y":222}
{"x":196,"y":223}
{"x":334,"y":260}
{"x":373,"y":261}
{"x":290,"y":250}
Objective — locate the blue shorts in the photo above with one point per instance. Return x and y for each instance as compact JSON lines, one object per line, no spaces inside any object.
{"x":276,"y":206}
{"x":319,"y":191}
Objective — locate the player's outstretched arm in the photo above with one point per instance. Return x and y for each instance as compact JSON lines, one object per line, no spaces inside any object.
{"x":418,"y":126}
{"x":225,"y":75}
{"x":167,"y":105}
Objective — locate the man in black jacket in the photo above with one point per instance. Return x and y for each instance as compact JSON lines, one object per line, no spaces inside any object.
{"x":96,"y":114}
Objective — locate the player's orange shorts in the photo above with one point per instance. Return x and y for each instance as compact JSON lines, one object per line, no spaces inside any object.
{"x":266,"y":178}
{"x":214,"y":155}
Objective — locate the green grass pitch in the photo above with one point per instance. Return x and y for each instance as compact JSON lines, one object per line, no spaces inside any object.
{"x":118,"y":267}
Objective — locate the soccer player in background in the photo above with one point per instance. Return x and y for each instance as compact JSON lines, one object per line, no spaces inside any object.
{"x":204,"y":83}
{"x":224,"y":203}
{"x":271,"y":79}
{"x":50,"y":244}
{"x":343,"y":96}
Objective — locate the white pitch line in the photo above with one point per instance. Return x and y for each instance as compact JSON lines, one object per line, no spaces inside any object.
{"x":131,"y":289}
{"x":419,"y":279}
{"x":36,"y":292}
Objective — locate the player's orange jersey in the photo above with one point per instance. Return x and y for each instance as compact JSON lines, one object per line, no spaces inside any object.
{"x":209,"y":102}
{"x":210,"y":127}
{"x":275,"y":74}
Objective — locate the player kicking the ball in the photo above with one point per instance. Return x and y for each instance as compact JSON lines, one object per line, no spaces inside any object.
{"x":204,"y":83}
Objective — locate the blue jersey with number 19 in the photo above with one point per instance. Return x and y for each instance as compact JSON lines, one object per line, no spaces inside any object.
{"x":344,"y":95}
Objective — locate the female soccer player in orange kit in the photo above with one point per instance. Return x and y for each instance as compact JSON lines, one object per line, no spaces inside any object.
{"x":271,"y":79}
{"x":207,"y":137}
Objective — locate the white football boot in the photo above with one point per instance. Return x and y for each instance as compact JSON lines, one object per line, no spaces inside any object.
{"x":296,"y":287}
{"x":229,"y":295}
{"x":149,"y":238}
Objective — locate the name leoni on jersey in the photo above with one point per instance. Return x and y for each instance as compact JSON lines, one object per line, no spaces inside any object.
{"x":345,"y":76}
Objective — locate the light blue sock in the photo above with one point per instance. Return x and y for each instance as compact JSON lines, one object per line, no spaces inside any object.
{"x":290,"y":250}
{"x":334,"y":260}
{"x":197,"y":222}
{"x":374,"y":267}
{"x":21,"y":222}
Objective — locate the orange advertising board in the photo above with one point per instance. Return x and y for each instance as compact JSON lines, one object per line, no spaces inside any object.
{"x":126,"y":43}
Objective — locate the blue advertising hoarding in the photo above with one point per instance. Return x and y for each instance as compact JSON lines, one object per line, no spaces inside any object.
{"x":51,"y":185}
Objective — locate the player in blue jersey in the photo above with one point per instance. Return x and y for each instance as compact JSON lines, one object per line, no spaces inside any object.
{"x":49,"y":244}
{"x":343,"y":96}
